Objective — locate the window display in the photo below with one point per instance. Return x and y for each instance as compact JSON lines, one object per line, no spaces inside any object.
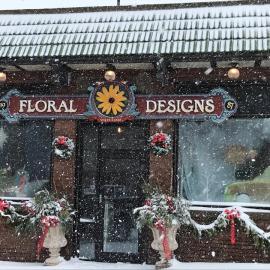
{"x":25,"y":158}
{"x":227,"y":162}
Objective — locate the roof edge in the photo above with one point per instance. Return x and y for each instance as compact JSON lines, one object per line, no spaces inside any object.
{"x":133,"y":8}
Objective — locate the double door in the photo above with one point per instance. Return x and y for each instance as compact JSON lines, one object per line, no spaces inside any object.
{"x":114,"y":166}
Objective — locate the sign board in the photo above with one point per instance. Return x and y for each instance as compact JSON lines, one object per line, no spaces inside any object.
{"x":117,"y":102}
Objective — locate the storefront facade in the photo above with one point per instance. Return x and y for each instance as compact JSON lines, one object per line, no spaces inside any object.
{"x":178,"y":58}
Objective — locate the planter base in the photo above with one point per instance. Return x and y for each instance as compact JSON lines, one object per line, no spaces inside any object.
{"x":157,"y":244}
{"x":54,"y":258}
{"x":54,"y":240}
{"x":162,"y":264}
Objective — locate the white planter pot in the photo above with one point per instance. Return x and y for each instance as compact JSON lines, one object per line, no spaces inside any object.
{"x":54,"y":240}
{"x":157,"y":244}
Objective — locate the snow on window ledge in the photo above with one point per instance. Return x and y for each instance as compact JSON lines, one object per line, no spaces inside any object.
{"x":220,"y":206}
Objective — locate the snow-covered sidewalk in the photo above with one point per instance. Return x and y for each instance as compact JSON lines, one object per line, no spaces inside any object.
{"x":75,"y":264}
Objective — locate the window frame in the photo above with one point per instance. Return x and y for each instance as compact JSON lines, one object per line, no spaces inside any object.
{"x":19,"y":200}
{"x":178,"y":165}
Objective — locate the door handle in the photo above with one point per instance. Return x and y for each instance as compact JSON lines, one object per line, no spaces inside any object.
{"x":100,"y":198}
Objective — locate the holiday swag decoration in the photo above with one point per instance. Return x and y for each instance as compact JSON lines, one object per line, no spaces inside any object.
{"x":230,"y":216}
{"x":164,"y":214}
{"x":63,"y":147}
{"x":8,"y":211}
{"x":43,"y":213}
{"x":160,"y":143}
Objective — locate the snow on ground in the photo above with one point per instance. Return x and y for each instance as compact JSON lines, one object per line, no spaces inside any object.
{"x":75,"y":264}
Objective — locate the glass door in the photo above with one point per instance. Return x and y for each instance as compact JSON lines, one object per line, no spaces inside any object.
{"x":120,"y":169}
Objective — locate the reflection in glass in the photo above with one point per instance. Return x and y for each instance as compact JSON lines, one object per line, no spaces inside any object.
{"x":226,"y":162}
{"x":25,"y":158}
{"x":120,"y":234}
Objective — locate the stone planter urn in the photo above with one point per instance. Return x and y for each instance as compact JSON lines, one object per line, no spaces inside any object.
{"x":54,"y":241}
{"x":158,"y":244}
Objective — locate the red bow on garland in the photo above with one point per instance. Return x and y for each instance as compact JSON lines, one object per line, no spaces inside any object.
{"x":165,"y":241}
{"x":148,"y":202}
{"x":3,"y":205}
{"x":46,"y":222}
{"x":158,"y":138}
{"x":231,"y":214}
{"x":62,"y":140}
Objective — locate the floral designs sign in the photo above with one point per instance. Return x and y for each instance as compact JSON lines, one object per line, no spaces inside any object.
{"x":115,"y":101}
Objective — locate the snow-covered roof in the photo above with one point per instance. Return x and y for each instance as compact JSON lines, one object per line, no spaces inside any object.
{"x":236,"y":28}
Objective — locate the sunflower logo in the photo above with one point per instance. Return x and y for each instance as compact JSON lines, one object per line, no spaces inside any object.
{"x":111,"y":101}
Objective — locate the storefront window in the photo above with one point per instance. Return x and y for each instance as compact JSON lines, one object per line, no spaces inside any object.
{"x":25,"y":158}
{"x":227,"y":162}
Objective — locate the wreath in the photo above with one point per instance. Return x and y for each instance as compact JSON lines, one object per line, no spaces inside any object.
{"x":63,"y":146}
{"x":160,"y":143}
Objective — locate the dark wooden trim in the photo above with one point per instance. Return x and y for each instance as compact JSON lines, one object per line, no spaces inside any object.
{"x":138,"y":58}
{"x":134,"y":8}
{"x":176,"y":177}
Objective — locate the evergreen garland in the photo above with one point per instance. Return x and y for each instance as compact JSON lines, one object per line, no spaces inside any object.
{"x":163,"y":209}
{"x":33,"y":211}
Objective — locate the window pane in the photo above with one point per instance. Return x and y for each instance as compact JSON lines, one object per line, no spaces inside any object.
{"x":225,"y":162}
{"x":25,"y":151}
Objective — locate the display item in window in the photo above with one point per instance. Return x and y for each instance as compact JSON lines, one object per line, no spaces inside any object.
{"x":253,"y":177}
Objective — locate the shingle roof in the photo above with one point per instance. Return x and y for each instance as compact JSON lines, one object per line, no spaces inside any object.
{"x":184,"y":30}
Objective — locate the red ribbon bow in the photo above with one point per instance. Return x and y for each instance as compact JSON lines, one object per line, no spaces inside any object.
{"x":231,"y":215}
{"x":3,"y":205}
{"x":46,"y":222}
{"x":160,"y":137}
{"x":165,"y":241}
{"x":170,"y":203}
{"x":148,"y":202}
{"x":62,"y":140}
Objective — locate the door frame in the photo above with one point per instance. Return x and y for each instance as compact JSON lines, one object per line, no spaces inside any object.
{"x":99,"y":254}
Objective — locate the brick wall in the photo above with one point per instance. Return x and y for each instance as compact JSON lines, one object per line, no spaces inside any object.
{"x":14,"y":247}
{"x":64,"y":169}
{"x":161,"y":168}
{"x":63,"y":180}
{"x":218,"y":248}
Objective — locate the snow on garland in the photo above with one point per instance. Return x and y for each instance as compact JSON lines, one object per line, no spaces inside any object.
{"x":160,"y":143}
{"x":45,"y":210}
{"x":63,"y":146}
{"x":162,"y":211}
{"x":228,"y":217}
{"x":7,"y":211}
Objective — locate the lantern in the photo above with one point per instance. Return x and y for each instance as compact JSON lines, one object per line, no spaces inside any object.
{"x":233,"y":73}
{"x":3,"y":76}
{"x":110,"y":75}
